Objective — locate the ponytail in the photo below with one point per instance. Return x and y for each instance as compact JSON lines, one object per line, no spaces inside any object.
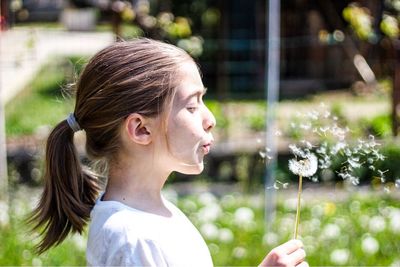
{"x":69,"y":192}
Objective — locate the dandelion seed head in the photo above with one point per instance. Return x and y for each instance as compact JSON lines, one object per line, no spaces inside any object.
{"x":340,"y":256}
{"x":305,"y":167}
{"x":370,"y":245}
{"x":225,"y":235}
{"x":331,"y":231}
{"x":377,"y":224}
{"x":243,"y":215}
{"x":270,"y":238}
{"x":209,"y":230}
{"x":239,"y":252}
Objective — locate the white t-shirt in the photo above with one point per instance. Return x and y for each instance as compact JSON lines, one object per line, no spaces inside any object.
{"x":121,"y":235}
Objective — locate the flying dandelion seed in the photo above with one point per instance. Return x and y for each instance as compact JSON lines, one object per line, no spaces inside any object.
{"x":278,"y":185}
{"x":330,"y":147}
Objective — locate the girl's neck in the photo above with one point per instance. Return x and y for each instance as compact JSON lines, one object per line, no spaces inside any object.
{"x":137,"y":186}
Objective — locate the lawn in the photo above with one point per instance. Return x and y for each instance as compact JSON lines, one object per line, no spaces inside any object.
{"x":360,"y":229}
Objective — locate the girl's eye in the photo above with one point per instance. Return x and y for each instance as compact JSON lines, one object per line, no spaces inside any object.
{"x":191,"y":109}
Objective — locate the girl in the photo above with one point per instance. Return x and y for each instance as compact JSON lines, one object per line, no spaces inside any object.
{"x":140,"y":105}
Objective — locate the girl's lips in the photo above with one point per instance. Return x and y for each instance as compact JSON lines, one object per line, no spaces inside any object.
{"x":206,"y":149}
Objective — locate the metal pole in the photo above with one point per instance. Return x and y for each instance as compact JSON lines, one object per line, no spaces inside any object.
{"x":3,"y":150}
{"x":272,"y":61}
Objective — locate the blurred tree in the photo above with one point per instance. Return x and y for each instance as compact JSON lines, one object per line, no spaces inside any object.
{"x":378,"y":24}
{"x":168,"y":20}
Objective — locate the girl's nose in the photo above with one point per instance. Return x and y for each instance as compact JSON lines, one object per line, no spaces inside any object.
{"x":209,"y":121}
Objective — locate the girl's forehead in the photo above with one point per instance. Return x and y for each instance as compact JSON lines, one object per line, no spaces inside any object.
{"x":190,"y":83}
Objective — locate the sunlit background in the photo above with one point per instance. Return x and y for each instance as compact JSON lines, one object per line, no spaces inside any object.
{"x":338,"y":98}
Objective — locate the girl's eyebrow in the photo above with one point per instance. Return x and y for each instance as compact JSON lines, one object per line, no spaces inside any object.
{"x":198,"y":93}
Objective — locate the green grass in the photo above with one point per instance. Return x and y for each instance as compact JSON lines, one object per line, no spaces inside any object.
{"x":42,"y":102}
{"x":233,"y":227}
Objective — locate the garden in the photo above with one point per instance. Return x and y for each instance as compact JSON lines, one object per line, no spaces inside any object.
{"x":343,"y":221}
{"x":328,"y":173}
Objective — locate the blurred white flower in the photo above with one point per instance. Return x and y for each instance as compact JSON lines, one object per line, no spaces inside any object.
{"x":287,"y":223}
{"x":243,"y":215}
{"x":369,"y":245}
{"x":290,"y":204}
{"x":79,"y":241}
{"x":341,"y":222}
{"x":355,"y":206}
{"x":228,"y":201}
{"x":377,"y":224}
{"x":189,"y":205}
{"x":171,"y":195}
{"x":331,"y":231}
{"x":395,"y":220}
{"x":209,"y":213}
{"x":397,"y":183}
{"x":256,"y":202}
{"x":305,"y":167}
{"x":270,"y":239}
{"x":207,"y":198}
{"x":340,"y":256}
{"x":26,"y":254}
{"x":209,"y":231}
{"x":395,"y":263}
{"x":239,"y":252}
{"x":4,"y":218}
{"x":214,"y":248}
{"x":225,"y":235}
{"x":314,"y":224}
{"x":317,"y":211}
{"x":363,"y":220}
{"x":36,"y":262}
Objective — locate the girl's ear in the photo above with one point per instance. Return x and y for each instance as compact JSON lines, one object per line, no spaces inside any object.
{"x":138,"y":129}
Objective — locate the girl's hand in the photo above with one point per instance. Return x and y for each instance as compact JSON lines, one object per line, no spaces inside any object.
{"x":288,"y":254}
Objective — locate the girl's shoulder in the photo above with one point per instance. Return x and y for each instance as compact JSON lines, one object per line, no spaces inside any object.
{"x":116,"y":217}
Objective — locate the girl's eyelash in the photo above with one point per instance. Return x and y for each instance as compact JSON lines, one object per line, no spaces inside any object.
{"x":191,"y":108}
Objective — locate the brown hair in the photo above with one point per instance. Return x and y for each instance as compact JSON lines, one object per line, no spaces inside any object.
{"x":124,"y":78}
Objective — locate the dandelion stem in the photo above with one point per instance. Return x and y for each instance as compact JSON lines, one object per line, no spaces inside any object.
{"x":296,"y":228}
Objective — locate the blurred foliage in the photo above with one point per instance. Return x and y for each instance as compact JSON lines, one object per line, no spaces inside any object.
{"x":380,"y":126}
{"x":360,"y":229}
{"x":46,"y":100}
{"x":361,"y":20}
{"x":217,"y":109}
{"x":177,"y":22}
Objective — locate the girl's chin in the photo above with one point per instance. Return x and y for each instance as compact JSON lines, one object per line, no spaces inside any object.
{"x":191,"y":169}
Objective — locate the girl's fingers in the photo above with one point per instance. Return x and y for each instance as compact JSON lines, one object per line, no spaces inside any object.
{"x":290,"y":246}
{"x":297,"y":256}
{"x":303,"y":264}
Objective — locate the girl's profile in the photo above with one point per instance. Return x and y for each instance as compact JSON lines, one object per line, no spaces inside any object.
{"x":140,"y":105}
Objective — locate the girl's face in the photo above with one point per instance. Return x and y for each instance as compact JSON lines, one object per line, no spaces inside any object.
{"x":189,"y":124}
